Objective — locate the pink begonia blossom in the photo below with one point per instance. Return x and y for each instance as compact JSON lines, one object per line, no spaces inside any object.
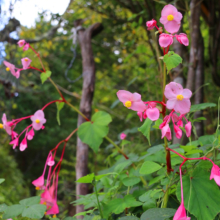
{"x":26,"y":46}
{"x":178,"y":131}
{"x":215,"y":174}
{"x":183,"y":39}
{"x":178,"y":98}
{"x":165,"y":40}
{"x":123,"y":136}
{"x":25,"y":62}
{"x":181,"y":213}
{"x":131,"y":100}
{"x":166,"y":132}
{"x":152,"y":112}
{"x":23,"y":144}
{"x":30,"y":134}
{"x":17,"y":74}
{"x":170,"y":18}
{"x":54,"y":210}
{"x":151,"y":24}
{"x":38,"y":120}
{"x":188,"y":128}
{"x":13,"y":134}
{"x":180,"y":123}
{"x":10,"y":67}
{"x":6,"y":124}
{"x":39,"y":182}
{"x":50,"y":161}
{"x":21,"y":43}
{"x":15,"y":143}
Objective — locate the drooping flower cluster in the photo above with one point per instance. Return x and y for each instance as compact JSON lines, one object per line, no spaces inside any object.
{"x":24,"y":44}
{"x":171,"y":19}
{"x":37,"y":123}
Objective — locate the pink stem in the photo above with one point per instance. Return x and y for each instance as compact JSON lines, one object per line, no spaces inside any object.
{"x":181,"y":181}
{"x":51,"y":103}
{"x":177,"y":153}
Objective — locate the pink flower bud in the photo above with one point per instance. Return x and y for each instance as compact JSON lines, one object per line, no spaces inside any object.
{"x":23,"y":144}
{"x":151,"y":24}
{"x":165,"y":40}
{"x":21,"y":43}
{"x":180,"y":123}
{"x":26,"y":46}
{"x":215,"y":174}
{"x":50,"y":161}
{"x":25,"y":62}
{"x":188,"y":128}
{"x":166,"y":132}
{"x":178,"y":131}
{"x":14,"y":142}
{"x":182,"y":38}
{"x":140,"y":115}
{"x":123,"y":136}
{"x":30,"y":134}
{"x":181,"y":213}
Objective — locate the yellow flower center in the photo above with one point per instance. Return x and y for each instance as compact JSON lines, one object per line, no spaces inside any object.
{"x":37,"y":121}
{"x":179,"y":97}
{"x":45,"y":213}
{"x":26,"y":59}
{"x":54,"y":216}
{"x":44,"y":203}
{"x":37,"y":188}
{"x":170,"y":17}
{"x":128,"y":104}
{"x":7,"y":69}
{"x":1,"y":126}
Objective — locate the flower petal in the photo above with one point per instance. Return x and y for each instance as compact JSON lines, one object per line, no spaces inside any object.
{"x":172,"y":26}
{"x":183,"y":106}
{"x":138,"y":106}
{"x":168,"y":9}
{"x":171,"y":103}
{"x":136,"y":97}
{"x":124,"y":95}
{"x":186,"y":93}
{"x":172,"y":90}
{"x":153,"y":113}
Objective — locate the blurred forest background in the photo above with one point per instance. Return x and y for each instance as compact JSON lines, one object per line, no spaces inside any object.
{"x":124,"y":57}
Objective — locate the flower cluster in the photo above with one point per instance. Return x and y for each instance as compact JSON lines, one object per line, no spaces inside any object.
{"x":171,"y":19}
{"x":24,"y":44}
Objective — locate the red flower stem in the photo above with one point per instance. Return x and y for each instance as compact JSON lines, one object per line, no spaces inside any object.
{"x":164,"y":52}
{"x":24,"y":130}
{"x":168,"y":49}
{"x":34,"y":68}
{"x":52,"y":103}
{"x":176,"y":153}
{"x":157,"y":27}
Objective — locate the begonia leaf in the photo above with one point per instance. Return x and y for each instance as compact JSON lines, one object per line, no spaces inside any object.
{"x":45,"y":75}
{"x":131,"y":181}
{"x":158,"y":214}
{"x":13,"y":211}
{"x":145,"y":129}
{"x":2,"y":180}
{"x":172,"y":60}
{"x":201,"y":195}
{"x":34,"y":211}
{"x":30,"y":201}
{"x":198,"y":107}
{"x":149,"y":167}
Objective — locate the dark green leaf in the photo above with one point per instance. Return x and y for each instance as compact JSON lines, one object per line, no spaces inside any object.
{"x":145,"y":129}
{"x":13,"y":211}
{"x":130,"y":181}
{"x":3,"y":207}
{"x":158,"y":214}
{"x":34,"y":211}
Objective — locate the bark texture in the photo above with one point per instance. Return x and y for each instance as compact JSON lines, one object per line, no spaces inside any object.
{"x":84,"y":37}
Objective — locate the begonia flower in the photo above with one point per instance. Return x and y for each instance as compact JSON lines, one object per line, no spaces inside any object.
{"x":151,"y":24}
{"x":15,"y":143}
{"x":23,"y":144}
{"x":215,"y":174}
{"x":152,"y":112}
{"x":30,"y":134}
{"x":131,"y":100}
{"x":26,"y":46}
{"x":25,"y":62}
{"x":181,"y":213}
{"x":166,"y":132}
{"x":178,"y":131}
{"x":178,"y":98}
{"x":123,"y":136}
{"x":21,"y":43}
{"x":5,"y":124}
{"x":10,"y":67}
{"x":183,"y":39}
{"x":38,"y":120}
{"x":170,"y":18}
{"x":165,"y":40}
{"x":188,"y":128}
{"x":53,"y":210}
{"x":50,"y":161}
{"x":39,"y":182}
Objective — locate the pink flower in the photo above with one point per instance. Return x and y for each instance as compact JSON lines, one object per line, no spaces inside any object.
{"x":181,"y":213}
{"x":39,"y":182}
{"x":54,"y":210}
{"x":17,"y":74}
{"x":25,"y":62}
{"x":178,"y":131}
{"x":182,"y":38}
{"x":30,"y":134}
{"x":170,"y":18}
{"x":152,"y":112}
{"x":215,"y":173}
{"x":26,"y":46}
{"x":123,"y":136}
{"x":21,"y":43}
{"x":10,"y":67}
{"x":50,"y":161}
{"x":5,"y":124}
{"x":14,"y":142}
{"x":23,"y":144}
{"x":131,"y":100}
{"x":178,"y":98}
{"x":188,"y":128}
{"x":38,"y":120}
{"x":165,"y":40}
{"x":151,"y":24}
{"x":166,"y":132}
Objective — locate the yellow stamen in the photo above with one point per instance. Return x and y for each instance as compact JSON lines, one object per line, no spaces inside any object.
{"x":1,"y":126}
{"x":179,"y":97}
{"x":7,"y":69}
{"x":45,"y":213}
{"x":54,"y":216}
{"x":128,"y":104}
{"x":26,"y":59}
{"x":37,"y":121}
{"x":37,"y":188}
{"x":44,"y":203}
{"x":170,"y":17}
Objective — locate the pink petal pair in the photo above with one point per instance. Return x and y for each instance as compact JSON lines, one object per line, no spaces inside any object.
{"x":23,"y":144}
{"x":151,"y":24}
{"x":38,"y":120}
{"x":215,"y":174}
{"x":183,"y":39}
{"x":6,"y":125}
{"x":131,"y":100}
{"x":165,"y":40}
{"x":178,"y":98}
{"x":22,"y":43}
{"x":166,"y":132}
{"x":171,"y":18}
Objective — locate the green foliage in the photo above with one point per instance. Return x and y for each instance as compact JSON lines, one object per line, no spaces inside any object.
{"x":145,"y":129}
{"x":172,"y":60}
{"x":202,"y":106}
{"x":34,"y":211}
{"x":2,"y":180}
{"x":149,"y":167}
{"x":60,"y":105}
{"x":45,"y":75}
{"x":92,"y":133}
{"x":158,"y":214}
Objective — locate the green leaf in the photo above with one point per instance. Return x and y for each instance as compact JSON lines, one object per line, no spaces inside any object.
{"x":158,"y":214}
{"x":172,"y":60}
{"x":13,"y":211}
{"x":3,"y":207}
{"x":30,"y":201}
{"x":129,"y":218}
{"x":86,"y":179}
{"x":149,"y":167}
{"x":92,"y":133}
{"x":157,"y":123}
{"x":198,"y":107}
{"x":122,"y":165}
{"x":2,"y":180}
{"x":155,"y":180}
{"x":201,"y":195}
{"x":119,"y":205}
{"x":59,"y":107}
{"x":145,"y":129}
{"x":44,"y":76}
{"x":130,"y":181}
{"x":34,"y":211}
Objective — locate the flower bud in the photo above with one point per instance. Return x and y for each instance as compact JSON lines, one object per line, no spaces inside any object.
{"x":151,"y":24}
{"x":182,"y":38}
{"x":165,"y":40}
